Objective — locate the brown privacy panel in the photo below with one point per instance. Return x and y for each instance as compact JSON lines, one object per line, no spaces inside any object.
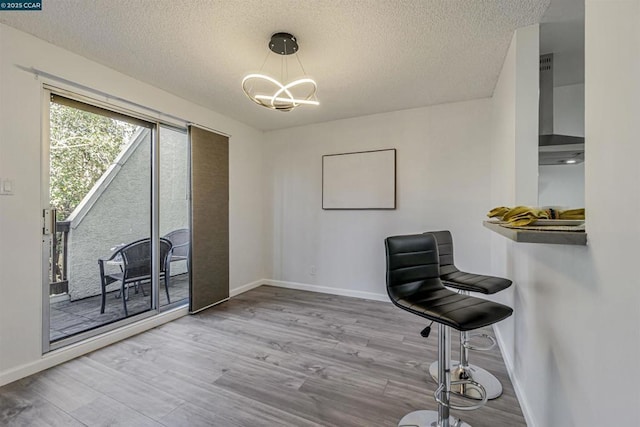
{"x":209,"y":218}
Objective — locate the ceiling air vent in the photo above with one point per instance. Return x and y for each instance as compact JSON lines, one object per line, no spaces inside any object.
{"x":546,"y":62}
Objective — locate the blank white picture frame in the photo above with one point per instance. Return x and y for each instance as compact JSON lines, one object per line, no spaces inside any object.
{"x":360,"y":180}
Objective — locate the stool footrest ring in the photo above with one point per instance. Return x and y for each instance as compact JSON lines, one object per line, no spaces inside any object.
{"x":467,"y":383}
{"x":485,"y":336}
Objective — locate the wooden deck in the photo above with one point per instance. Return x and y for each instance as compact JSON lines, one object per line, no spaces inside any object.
{"x":268,"y":357}
{"x":71,"y":317}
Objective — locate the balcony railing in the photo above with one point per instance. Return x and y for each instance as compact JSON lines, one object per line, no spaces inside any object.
{"x":58,"y":282}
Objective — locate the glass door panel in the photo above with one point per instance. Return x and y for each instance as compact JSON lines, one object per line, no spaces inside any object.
{"x":100,"y":188}
{"x":174,"y":213}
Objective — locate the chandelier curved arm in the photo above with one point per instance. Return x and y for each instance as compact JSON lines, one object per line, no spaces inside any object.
{"x":298,"y":82}
{"x":287,"y":101}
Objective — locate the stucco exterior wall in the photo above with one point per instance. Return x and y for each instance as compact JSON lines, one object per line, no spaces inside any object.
{"x":122,"y":211}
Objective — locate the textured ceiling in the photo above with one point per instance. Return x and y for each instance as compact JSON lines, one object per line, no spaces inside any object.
{"x":368,"y":56}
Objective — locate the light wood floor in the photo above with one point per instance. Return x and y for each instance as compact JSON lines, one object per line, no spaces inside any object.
{"x":269,"y":357}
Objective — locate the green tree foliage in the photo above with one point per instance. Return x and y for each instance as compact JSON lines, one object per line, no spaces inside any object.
{"x":83,"y":146}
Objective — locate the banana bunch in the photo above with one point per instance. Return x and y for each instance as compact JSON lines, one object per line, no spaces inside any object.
{"x":571,"y":214}
{"x":498,"y":212}
{"x":524,"y":215}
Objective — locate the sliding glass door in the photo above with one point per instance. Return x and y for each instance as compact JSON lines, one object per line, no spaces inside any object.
{"x":105,"y":261}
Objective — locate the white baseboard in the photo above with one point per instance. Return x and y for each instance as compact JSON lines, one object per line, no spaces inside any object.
{"x":520,"y":394}
{"x":328,"y":290}
{"x":244,"y":288}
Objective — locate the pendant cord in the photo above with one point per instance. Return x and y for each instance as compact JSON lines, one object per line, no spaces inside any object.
{"x":265,"y":61}
{"x":300,"y":62}
{"x":262,"y":66}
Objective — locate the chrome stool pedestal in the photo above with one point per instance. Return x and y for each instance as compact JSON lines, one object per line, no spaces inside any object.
{"x":491,"y":384}
{"x":463,"y":370}
{"x":465,"y":283}
{"x":441,"y":417}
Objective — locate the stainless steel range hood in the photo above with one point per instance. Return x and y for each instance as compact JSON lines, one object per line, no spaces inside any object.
{"x":561,"y":148}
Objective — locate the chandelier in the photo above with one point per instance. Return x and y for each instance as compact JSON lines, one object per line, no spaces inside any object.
{"x":281,"y":95}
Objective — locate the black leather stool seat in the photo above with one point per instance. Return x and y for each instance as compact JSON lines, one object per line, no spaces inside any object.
{"x":413,"y":284}
{"x":475,"y":282}
{"x":455,"y":278}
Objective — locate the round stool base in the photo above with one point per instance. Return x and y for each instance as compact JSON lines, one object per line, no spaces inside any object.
{"x":427,"y":419}
{"x":491,"y":384}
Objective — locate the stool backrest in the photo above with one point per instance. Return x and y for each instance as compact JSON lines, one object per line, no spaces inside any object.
{"x":445,"y":251}
{"x":412,"y":265}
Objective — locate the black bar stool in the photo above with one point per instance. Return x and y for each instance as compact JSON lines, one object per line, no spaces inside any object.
{"x":466,"y":283}
{"x":414,"y":285}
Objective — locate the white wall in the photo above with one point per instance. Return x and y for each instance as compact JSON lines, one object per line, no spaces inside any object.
{"x":561,"y":185}
{"x":612,"y":105}
{"x":443,"y":164}
{"x":20,"y":154}
{"x":503,"y":179}
{"x":576,"y":322}
{"x":568,"y":110}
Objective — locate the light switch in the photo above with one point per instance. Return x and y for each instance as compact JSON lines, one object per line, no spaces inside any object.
{"x":7,"y":187}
